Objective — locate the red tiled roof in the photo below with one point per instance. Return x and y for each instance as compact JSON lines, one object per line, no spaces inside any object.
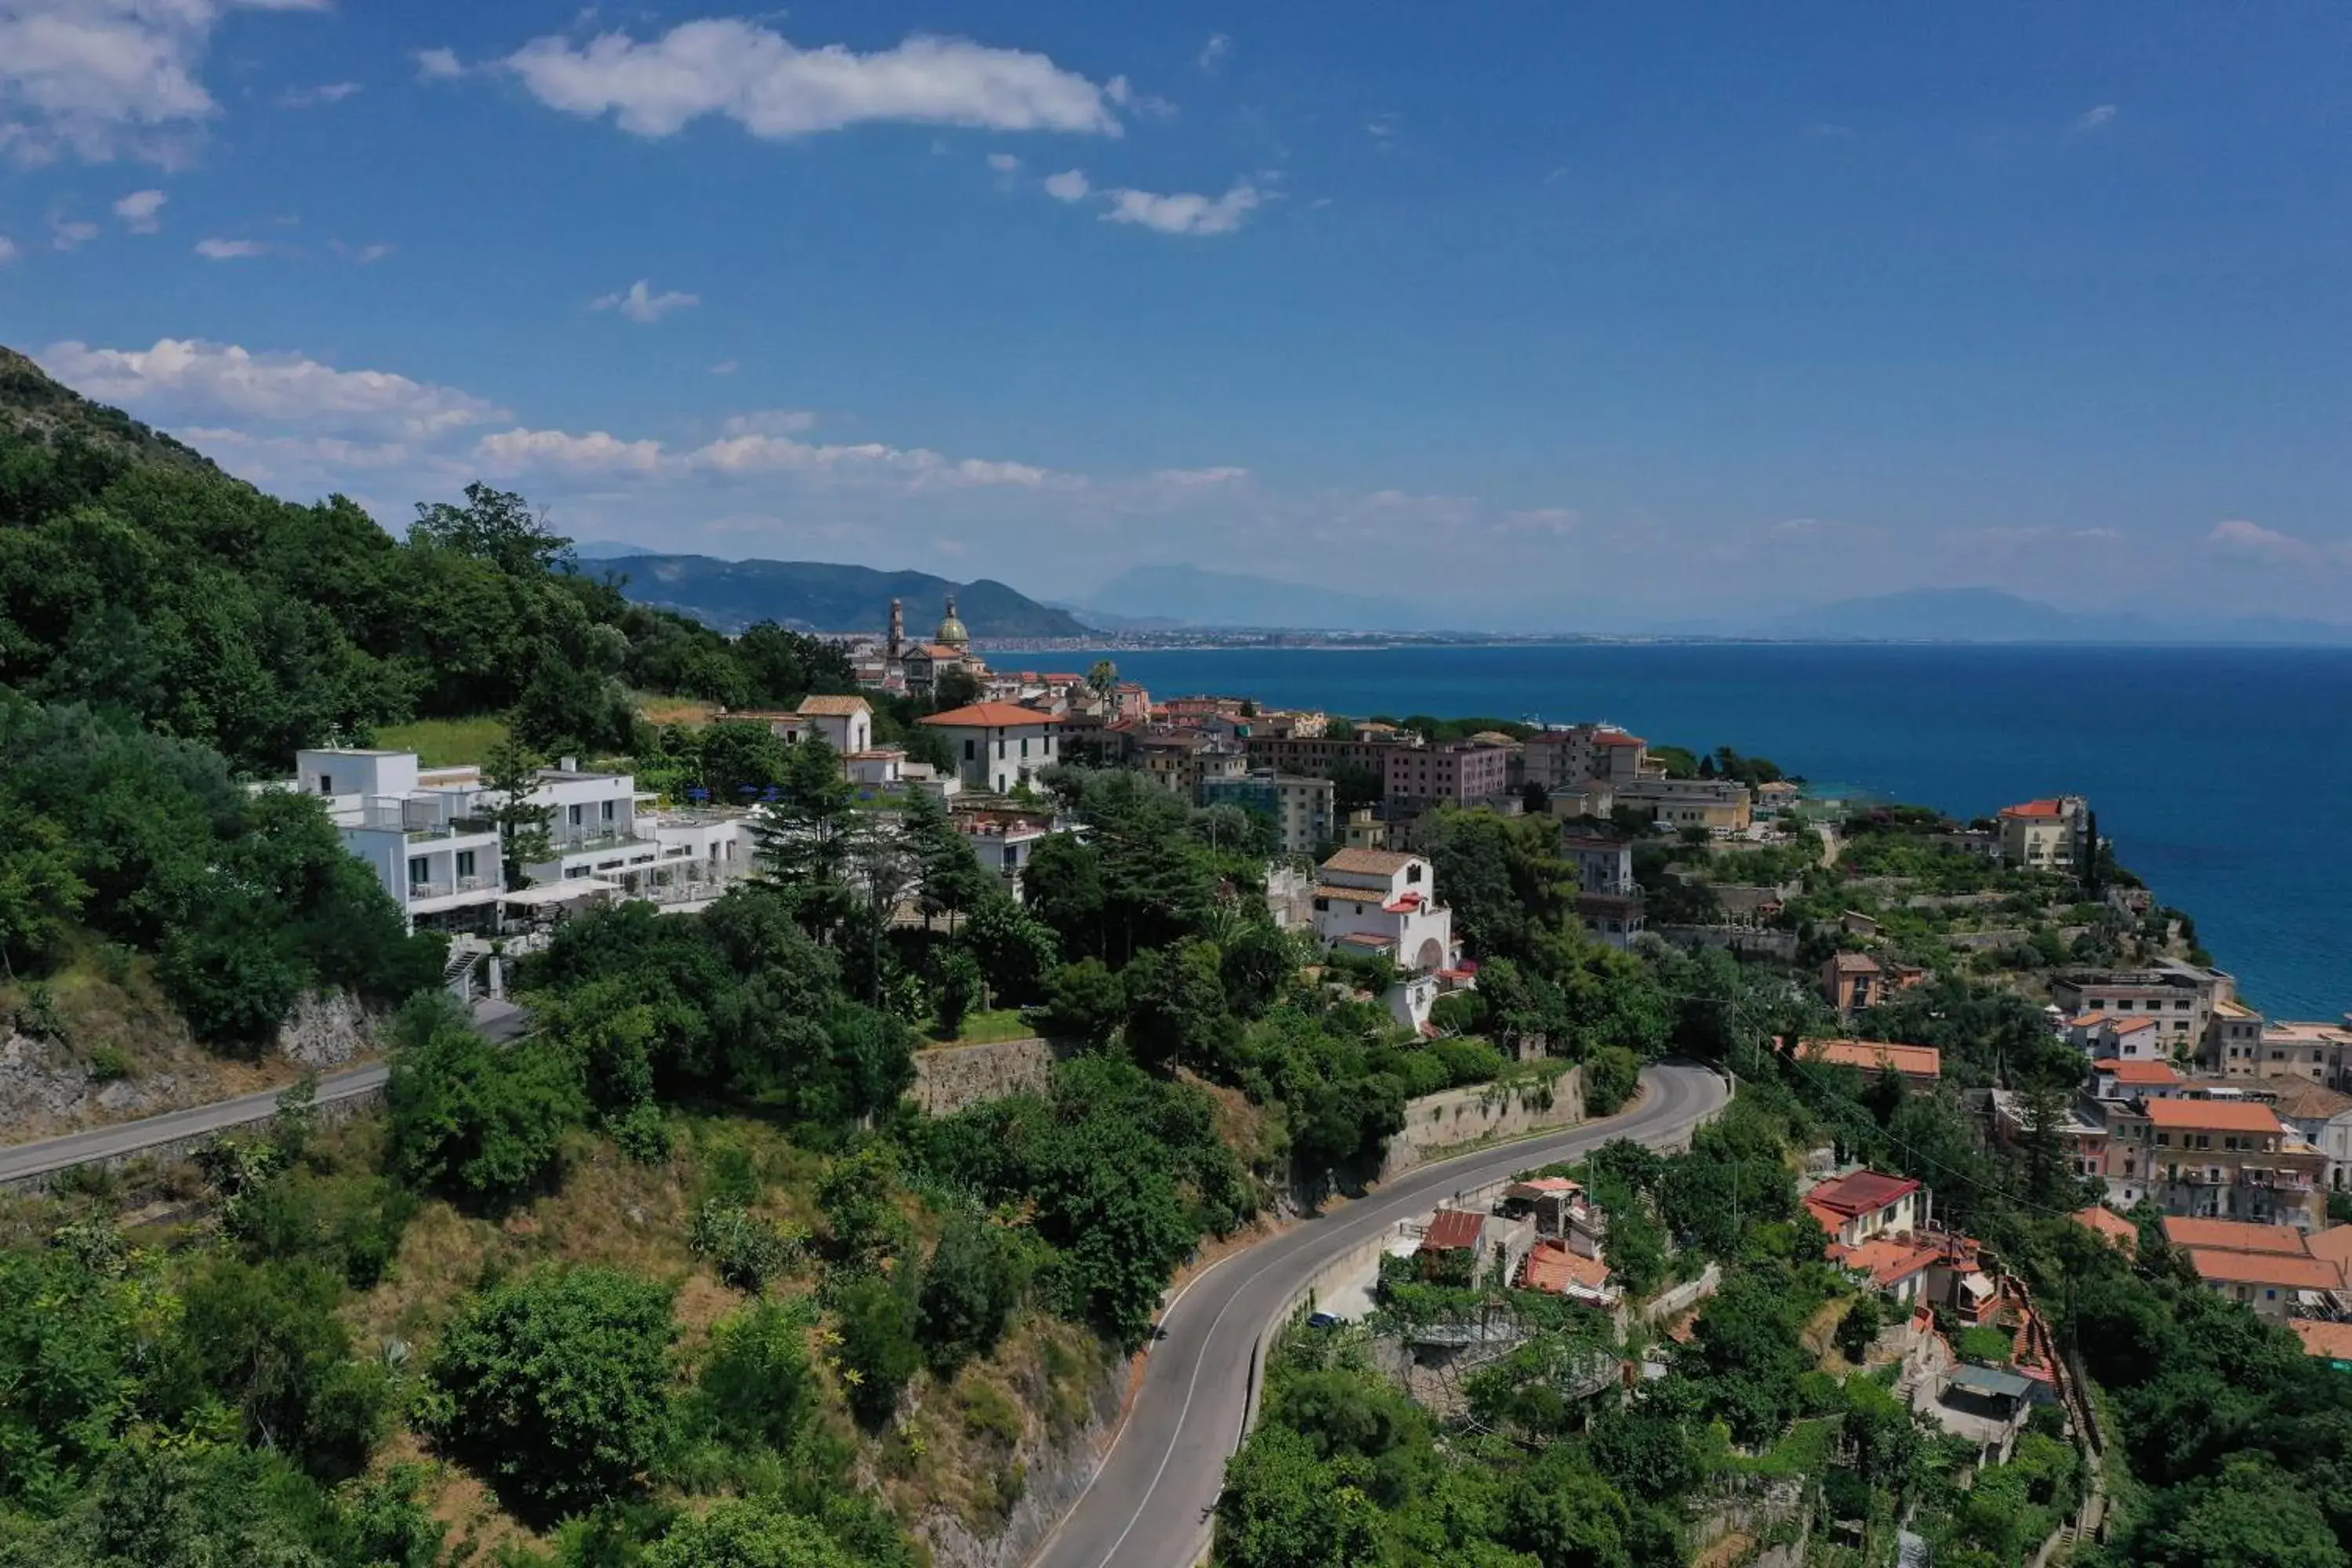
{"x":2107,"y":1224}
{"x":2335,"y":1245}
{"x":988,"y":716}
{"x":1854,"y":964}
{"x":2033,"y":809}
{"x":2213,"y":1115}
{"x":2333,"y":1341}
{"x":1369,"y":862}
{"x":2266,"y":1268}
{"x":1617,"y":740}
{"x":1553,"y":1268}
{"x":2137,"y":1072}
{"x":1890,"y":1262}
{"x":2235,"y":1236}
{"x":1862,"y":1191}
{"x":1871,"y":1056}
{"x":1450,"y":1229}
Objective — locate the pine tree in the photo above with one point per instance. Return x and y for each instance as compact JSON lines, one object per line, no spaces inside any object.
{"x":513,"y":773}
{"x":807,"y":835}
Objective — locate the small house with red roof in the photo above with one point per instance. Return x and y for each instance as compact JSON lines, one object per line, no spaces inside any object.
{"x":1920,"y":1067}
{"x":2109,"y":1227}
{"x":1861,"y":1204}
{"x":997,"y":746}
{"x":1465,"y":1246}
{"x":2051,"y":835}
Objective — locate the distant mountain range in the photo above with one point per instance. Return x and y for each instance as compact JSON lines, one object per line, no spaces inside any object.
{"x":817,"y":597}
{"x":1177,"y":595}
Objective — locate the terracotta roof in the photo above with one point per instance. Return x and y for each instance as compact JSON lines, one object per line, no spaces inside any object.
{"x":2235,"y":1236}
{"x":2109,"y":1225}
{"x":1553,"y":1268}
{"x":1888,"y":1261}
{"x":1616,"y":738}
{"x":1854,"y":964}
{"x":2310,"y":1102}
{"x":2333,"y":1341}
{"x":2033,"y":809}
{"x":1861,"y":1192}
{"x":2087,"y":1020}
{"x":2213,"y":1115}
{"x":2139,"y":1072}
{"x":1871,"y":1056}
{"x":989,"y":716}
{"x":2130,"y":1025}
{"x":834,"y":707}
{"x":1452,"y":1228}
{"x":2264,"y":1269}
{"x":1547,"y":1184}
{"x":1369,"y":862}
{"x":2333,"y":1245}
{"x":1353,"y":895}
{"x":1828,"y":1218}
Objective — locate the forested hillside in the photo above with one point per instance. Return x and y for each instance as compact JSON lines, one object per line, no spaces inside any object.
{"x":820,"y":596}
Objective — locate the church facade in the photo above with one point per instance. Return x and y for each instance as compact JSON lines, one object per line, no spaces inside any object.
{"x":917,"y":666}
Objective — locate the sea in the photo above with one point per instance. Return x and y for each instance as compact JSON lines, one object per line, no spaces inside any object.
{"x":2225,"y":775}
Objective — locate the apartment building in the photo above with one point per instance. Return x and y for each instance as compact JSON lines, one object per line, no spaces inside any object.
{"x":1567,"y":756}
{"x":1303,"y":810}
{"x":2268,"y":1267}
{"x":1461,"y":772}
{"x":2222,"y":1157}
{"x":2322,"y":1116}
{"x":1602,"y":865}
{"x":1318,"y":756}
{"x":1722,"y":806}
{"x":2182,"y":997}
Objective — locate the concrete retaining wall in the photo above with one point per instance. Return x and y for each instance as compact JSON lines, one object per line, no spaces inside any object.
{"x":951,"y":1078}
{"x":1479,"y":1113}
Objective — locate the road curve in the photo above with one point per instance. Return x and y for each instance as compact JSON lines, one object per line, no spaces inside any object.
{"x":29,"y":1162}
{"x":1149,"y":1506}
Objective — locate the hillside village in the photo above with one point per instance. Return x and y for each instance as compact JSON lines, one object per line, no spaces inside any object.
{"x":890,"y":1034}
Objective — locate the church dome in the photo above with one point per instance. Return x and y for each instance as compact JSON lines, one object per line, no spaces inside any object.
{"x":951,"y":630}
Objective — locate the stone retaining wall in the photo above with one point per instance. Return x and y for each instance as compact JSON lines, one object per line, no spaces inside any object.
{"x":951,"y":1078}
{"x":1482,"y":1111}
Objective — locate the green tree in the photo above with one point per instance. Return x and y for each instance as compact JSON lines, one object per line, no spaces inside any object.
{"x":511,"y":774}
{"x":264,"y":1339}
{"x":1084,"y":1001}
{"x":747,"y":1533}
{"x":470,"y":1120}
{"x":555,"y":1386}
{"x":1176,"y":1008}
{"x":947,"y":869}
{"x":805,"y":835}
{"x":496,"y":526}
{"x":971,"y":1285}
{"x":875,"y":1315}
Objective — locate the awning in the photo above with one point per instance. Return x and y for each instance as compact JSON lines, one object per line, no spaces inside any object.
{"x":560,"y":892}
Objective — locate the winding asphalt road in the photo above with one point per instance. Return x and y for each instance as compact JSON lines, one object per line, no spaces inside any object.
{"x":1149,"y":1506}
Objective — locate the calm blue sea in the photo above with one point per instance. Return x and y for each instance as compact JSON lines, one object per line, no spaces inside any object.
{"x":2223,"y":775}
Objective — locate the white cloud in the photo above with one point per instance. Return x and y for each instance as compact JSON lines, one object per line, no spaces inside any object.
{"x":2239,"y":536}
{"x":1069,"y":185}
{"x":438,"y":65}
{"x":312,"y":97}
{"x":1187,"y":213}
{"x":725,"y":367}
{"x":770,"y":422}
{"x":1214,"y":52}
{"x":230,"y":250}
{"x":2095,"y":117}
{"x":8,"y":250}
{"x":72,"y":233}
{"x":203,"y":382}
{"x":1199,"y":478}
{"x":101,"y":79}
{"x":368,"y":255}
{"x":1005,"y":163}
{"x":773,"y":88}
{"x":141,"y":210}
{"x":1381,"y":127}
{"x":642,"y":305}
{"x":596,"y":452}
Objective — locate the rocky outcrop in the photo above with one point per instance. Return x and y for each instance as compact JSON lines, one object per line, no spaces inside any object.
{"x":1056,"y":1469}
{"x":327,"y":1029}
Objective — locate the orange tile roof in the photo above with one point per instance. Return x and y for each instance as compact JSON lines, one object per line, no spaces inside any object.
{"x":1919,"y":1061}
{"x":2107,"y":1224}
{"x":1854,"y":964}
{"x":1551,"y":1266}
{"x":1616,"y":738}
{"x":1369,"y":862}
{"x":1450,"y":1229}
{"x":2213,"y":1116}
{"x":2137,"y":1072}
{"x":1828,"y":1218}
{"x":2033,"y":809}
{"x":1890,"y":1262}
{"x":2334,"y":1244}
{"x":2333,"y":1341}
{"x":988,"y":716}
{"x":2235,"y":1236}
{"x":2264,"y":1269}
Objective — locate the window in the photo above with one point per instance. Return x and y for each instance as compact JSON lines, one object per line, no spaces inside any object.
{"x":575,"y":814}
{"x":465,"y":863}
{"x":606,"y":811}
{"x":969,"y":753}
{"x":418,"y":872}
{"x":326,"y":784}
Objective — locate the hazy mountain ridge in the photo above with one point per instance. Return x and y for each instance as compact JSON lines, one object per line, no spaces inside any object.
{"x":821,"y":596}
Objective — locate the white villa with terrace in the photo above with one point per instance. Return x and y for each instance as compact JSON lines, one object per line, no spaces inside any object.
{"x":1380,"y":902}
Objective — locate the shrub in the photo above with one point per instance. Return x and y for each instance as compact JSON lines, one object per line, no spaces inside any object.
{"x":556,"y":1385}
{"x":1610,"y":1076}
{"x":475,"y":1121}
{"x":975,"y":1281}
{"x":875,"y":1314}
{"x":744,"y":1252}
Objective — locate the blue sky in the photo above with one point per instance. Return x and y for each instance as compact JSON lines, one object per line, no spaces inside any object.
{"x":1554,"y":310}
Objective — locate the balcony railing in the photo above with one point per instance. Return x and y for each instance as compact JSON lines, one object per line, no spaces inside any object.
{"x":418,"y":892}
{"x":591,"y":836}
